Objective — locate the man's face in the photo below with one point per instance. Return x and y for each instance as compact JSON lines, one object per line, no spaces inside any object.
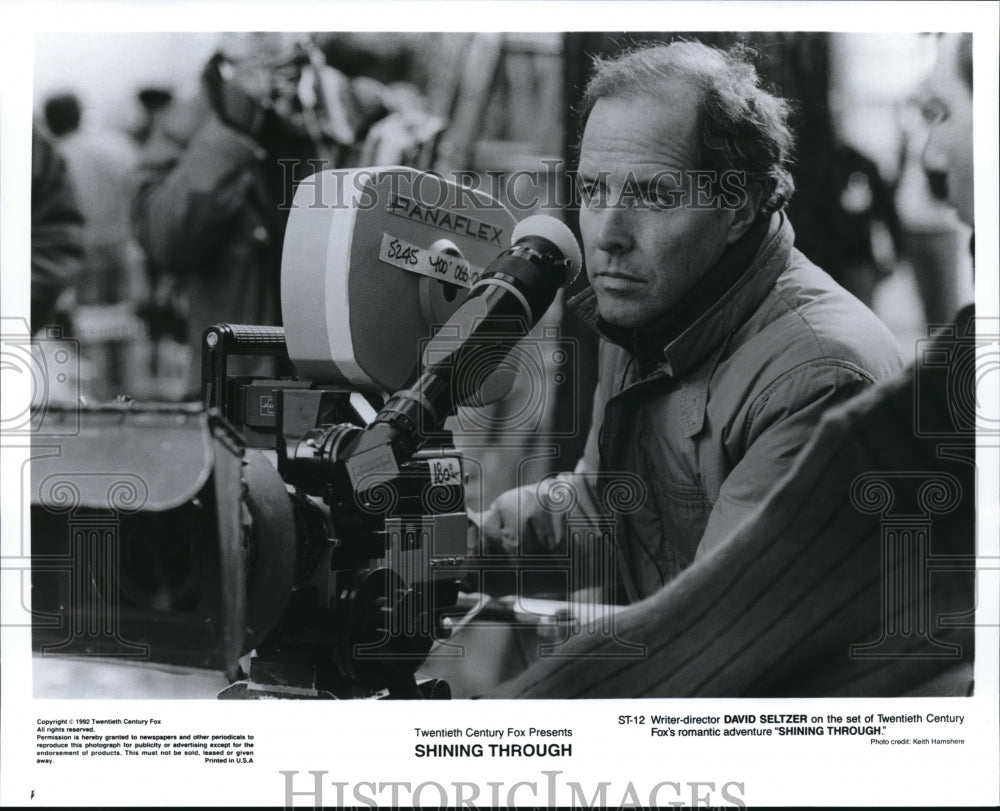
{"x":948,"y":109}
{"x":642,"y":259}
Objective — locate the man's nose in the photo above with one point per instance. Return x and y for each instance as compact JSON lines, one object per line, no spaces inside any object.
{"x":934,"y":159}
{"x":614,"y":228}
{"x":935,"y":165}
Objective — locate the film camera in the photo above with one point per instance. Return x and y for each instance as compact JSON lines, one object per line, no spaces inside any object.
{"x":317,"y":521}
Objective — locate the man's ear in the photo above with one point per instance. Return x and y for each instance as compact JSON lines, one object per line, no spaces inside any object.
{"x":746,"y":212}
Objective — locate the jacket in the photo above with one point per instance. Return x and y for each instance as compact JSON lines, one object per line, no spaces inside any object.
{"x":855,"y":577}
{"x":211,"y":215}
{"x":57,"y":246}
{"x":700,"y":435}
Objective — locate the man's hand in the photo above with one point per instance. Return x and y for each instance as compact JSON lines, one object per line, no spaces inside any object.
{"x":525,"y":520}
{"x":241,"y":96}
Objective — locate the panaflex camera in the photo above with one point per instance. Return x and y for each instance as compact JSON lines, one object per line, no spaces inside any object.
{"x":307,"y":534}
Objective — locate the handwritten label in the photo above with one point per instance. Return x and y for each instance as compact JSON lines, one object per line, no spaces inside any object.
{"x":446,"y":471}
{"x":406,"y":256}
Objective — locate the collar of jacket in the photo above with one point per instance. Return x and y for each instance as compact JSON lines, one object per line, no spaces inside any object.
{"x":723,"y":300}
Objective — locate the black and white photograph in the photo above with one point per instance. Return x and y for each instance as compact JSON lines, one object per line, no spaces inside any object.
{"x":631,"y":361}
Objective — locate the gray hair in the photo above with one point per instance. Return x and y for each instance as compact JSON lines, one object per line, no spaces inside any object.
{"x":743,"y":126}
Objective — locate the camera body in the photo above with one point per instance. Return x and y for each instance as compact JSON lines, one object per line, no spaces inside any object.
{"x":282,"y":530}
{"x":377,"y":565}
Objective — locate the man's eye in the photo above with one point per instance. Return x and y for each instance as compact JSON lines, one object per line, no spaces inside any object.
{"x":933,"y":112}
{"x":658,"y":195}
{"x":592,"y":192}
{"x":650,"y":195}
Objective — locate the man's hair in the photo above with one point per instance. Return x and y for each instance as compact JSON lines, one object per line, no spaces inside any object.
{"x":965,"y":59}
{"x":62,"y":114}
{"x":743,"y":126}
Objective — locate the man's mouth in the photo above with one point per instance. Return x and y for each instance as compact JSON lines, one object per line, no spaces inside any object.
{"x":614,"y":282}
{"x":614,"y":275}
{"x":938,"y":184}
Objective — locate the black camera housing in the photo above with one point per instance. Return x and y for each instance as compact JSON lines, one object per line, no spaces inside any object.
{"x":165,"y":533}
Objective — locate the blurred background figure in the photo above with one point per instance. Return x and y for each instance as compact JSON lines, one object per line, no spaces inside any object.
{"x":218,"y":175}
{"x":860,"y":234}
{"x":935,"y":242}
{"x":152,"y":103}
{"x":101,"y":162}
{"x":495,"y":105}
{"x":57,"y":247}
{"x":878,"y":117}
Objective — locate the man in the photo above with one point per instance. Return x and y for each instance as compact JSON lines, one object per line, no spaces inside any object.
{"x":217,"y":175}
{"x":722,"y":345}
{"x":948,"y":109}
{"x":209,"y":212}
{"x":856,"y":575}
{"x":57,"y":250}
{"x":102,"y":165}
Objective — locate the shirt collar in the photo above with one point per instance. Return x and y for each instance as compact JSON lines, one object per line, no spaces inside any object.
{"x":707,"y":320}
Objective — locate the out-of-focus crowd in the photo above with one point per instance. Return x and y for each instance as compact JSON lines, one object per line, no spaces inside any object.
{"x":142,"y":238}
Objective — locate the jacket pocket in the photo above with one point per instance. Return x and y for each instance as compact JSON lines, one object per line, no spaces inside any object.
{"x":684,"y":510}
